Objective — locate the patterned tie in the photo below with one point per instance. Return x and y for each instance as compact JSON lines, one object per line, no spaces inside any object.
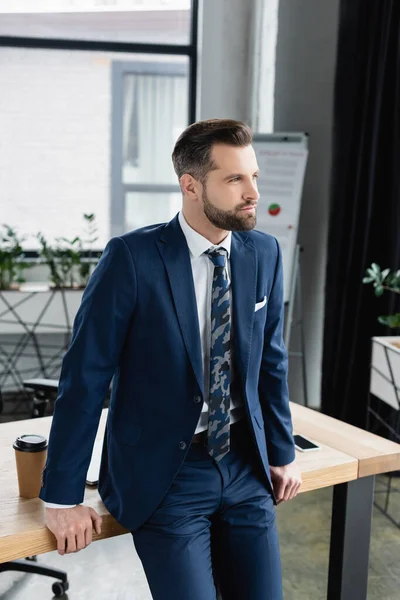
{"x":220,"y":358}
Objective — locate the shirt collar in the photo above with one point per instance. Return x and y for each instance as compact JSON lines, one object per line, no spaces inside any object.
{"x":197,"y":243}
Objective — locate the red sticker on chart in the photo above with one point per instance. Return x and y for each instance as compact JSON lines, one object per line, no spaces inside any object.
{"x":274,"y":209}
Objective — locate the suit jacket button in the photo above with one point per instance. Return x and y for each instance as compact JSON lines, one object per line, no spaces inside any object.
{"x":182,"y":445}
{"x":197,"y":399}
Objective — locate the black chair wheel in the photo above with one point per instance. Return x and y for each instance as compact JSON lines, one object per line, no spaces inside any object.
{"x":59,"y":588}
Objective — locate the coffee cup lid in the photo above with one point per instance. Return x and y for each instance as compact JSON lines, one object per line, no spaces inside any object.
{"x":30,"y":442}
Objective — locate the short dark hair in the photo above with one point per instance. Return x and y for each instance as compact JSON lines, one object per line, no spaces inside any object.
{"x":192,"y":152}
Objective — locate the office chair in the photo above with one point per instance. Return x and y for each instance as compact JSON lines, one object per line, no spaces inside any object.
{"x":44,"y":390}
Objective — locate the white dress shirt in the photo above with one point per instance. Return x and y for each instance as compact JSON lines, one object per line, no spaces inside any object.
{"x":203,"y":273}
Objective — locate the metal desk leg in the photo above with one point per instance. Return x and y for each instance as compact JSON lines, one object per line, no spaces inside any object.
{"x":350,"y":539}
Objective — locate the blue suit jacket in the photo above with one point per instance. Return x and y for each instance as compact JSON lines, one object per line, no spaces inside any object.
{"x":138,"y":322}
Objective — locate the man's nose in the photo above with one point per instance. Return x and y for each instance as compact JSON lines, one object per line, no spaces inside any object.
{"x":252,"y":191}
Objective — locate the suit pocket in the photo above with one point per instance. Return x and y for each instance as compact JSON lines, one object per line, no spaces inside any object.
{"x":127,"y":433}
{"x":260,"y":304}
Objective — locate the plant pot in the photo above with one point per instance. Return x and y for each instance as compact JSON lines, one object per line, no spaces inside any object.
{"x":385,"y":370}
{"x":13,"y":287}
{"x":67,"y":288}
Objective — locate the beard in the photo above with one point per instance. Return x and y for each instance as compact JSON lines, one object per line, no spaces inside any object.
{"x":229,"y":220}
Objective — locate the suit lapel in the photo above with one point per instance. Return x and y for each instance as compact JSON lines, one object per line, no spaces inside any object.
{"x":174,"y":252}
{"x":244,"y":280}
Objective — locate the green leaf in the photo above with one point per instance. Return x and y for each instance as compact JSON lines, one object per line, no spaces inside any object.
{"x":379,"y":290}
{"x":376,"y":268}
{"x":392,"y":321}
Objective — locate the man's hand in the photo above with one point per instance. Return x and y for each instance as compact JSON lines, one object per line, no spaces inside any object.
{"x":286,"y":481}
{"x":72,"y":527}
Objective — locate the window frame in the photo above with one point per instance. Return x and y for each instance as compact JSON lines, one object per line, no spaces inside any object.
{"x":189,"y":50}
{"x":119,"y":189}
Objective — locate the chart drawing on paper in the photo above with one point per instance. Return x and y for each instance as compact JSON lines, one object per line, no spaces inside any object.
{"x":282,"y":159}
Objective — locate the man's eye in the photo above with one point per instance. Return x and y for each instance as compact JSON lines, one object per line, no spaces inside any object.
{"x":236,"y":179}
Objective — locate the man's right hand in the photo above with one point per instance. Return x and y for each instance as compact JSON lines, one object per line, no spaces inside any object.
{"x":72,"y":527}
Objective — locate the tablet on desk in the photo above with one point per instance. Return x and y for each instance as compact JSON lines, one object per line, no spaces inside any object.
{"x":92,"y":476}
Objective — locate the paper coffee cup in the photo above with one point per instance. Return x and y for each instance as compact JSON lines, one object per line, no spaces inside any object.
{"x":30,"y":456}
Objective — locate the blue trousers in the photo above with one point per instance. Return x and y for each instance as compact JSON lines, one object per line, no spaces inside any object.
{"x":214,"y":529}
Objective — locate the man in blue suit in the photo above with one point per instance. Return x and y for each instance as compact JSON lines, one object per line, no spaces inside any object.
{"x":187,"y":317}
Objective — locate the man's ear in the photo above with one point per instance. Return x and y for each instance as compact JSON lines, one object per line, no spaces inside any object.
{"x":189,"y":186}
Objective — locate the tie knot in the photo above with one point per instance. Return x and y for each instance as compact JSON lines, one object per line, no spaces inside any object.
{"x":217,"y":256}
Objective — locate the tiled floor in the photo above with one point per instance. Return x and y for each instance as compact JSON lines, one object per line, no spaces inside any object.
{"x":304,"y":526}
{"x":111,"y":569}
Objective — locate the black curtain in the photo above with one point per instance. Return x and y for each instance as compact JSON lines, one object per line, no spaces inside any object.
{"x":365,"y":201}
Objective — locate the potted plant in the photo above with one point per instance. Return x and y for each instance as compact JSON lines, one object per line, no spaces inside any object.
{"x":385,"y":281}
{"x":35,"y":309}
{"x":385,"y":365}
{"x":12,"y":259}
{"x":88,"y":257}
{"x":69,"y":267}
{"x":60,"y":259}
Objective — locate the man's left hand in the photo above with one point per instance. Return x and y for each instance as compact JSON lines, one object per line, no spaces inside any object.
{"x":286,"y":481}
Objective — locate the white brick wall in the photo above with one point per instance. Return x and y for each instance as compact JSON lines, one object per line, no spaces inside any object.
{"x":55,"y":126}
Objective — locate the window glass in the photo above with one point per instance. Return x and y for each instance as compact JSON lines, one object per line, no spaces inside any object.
{"x":148,"y":22}
{"x":144,"y":208}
